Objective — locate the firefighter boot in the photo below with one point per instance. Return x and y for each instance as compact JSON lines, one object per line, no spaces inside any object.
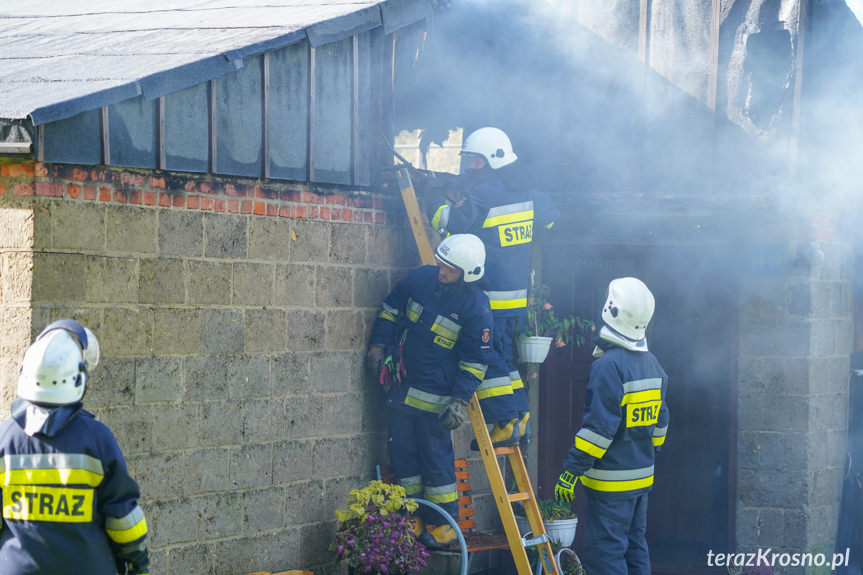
{"x":418,"y":526}
{"x":524,"y":428}
{"x":505,"y":435}
{"x":438,"y":536}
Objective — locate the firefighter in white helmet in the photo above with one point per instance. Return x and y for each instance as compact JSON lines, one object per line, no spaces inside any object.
{"x":69,"y":504}
{"x":624,"y":426}
{"x":429,"y":349}
{"x":507,"y":221}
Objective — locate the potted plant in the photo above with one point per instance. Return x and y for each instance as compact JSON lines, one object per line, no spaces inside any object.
{"x":544,"y":328}
{"x":375,"y":535}
{"x":557,"y":518}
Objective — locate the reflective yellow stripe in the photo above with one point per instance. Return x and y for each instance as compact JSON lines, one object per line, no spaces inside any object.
{"x":659,"y":435}
{"x":441,"y":218}
{"x":494,"y":387}
{"x":642,"y":384}
{"x":508,"y":214}
{"x":508,"y":304}
{"x":515,"y":379}
{"x":631,"y":485}
{"x":413,"y":310}
{"x":387,"y":316}
{"x":423,"y":405}
{"x":441,"y":494}
{"x":448,"y":329}
{"x":412,"y":484}
{"x":426,"y":401}
{"x":549,"y":226}
{"x":413,"y":489}
{"x":130,"y":534}
{"x":588,"y":447}
{"x":475,"y":369}
{"x":642,"y":396}
{"x":52,"y":477}
{"x":54,"y":504}
{"x":492,"y":392}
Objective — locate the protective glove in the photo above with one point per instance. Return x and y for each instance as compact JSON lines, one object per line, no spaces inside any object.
{"x":395,"y":368}
{"x":565,"y":488}
{"x":375,"y":361}
{"x":453,"y":415}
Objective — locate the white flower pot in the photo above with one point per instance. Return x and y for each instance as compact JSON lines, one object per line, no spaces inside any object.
{"x":562,"y":530}
{"x":533,"y":349}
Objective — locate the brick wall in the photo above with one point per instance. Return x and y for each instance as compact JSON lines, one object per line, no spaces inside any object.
{"x":232,"y":317}
{"x":796,"y":340}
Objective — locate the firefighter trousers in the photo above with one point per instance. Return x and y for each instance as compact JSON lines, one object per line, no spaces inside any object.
{"x":614,"y":542}
{"x":497,"y":398}
{"x":508,"y":328}
{"x":422,"y":458}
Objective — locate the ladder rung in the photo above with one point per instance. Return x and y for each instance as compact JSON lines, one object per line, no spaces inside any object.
{"x":523,"y":496}
{"x":504,"y":450}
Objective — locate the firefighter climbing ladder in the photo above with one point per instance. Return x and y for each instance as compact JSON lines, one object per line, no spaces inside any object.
{"x":502,"y":497}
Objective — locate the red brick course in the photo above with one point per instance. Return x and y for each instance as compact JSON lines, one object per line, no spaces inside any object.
{"x":193,"y":192}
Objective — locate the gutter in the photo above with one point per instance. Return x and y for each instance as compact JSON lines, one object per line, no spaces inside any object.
{"x":16,"y":148}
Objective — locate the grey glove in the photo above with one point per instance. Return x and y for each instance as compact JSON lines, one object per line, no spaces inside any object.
{"x":453,"y":415}
{"x":375,"y":361}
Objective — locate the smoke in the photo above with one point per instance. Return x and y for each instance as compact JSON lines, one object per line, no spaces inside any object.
{"x":564,"y":80}
{"x":648,"y":176}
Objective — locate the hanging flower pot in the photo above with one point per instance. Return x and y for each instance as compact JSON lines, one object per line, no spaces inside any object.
{"x":534,"y":348}
{"x":543,"y":328}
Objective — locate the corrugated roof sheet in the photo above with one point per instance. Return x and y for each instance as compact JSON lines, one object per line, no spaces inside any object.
{"x":62,"y":58}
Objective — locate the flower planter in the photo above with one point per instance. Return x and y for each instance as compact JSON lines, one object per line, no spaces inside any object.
{"x":562,"y":530}
{"x":533,"y":349}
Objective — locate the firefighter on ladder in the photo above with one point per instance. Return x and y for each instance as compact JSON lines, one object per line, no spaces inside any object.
{"x":624,"y":427}
{"x":69,"y":504}
{"x":429,"y":348}
{"x":506,"y":220}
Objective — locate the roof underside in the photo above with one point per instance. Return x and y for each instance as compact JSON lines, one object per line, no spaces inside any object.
{"x":63,"y":58}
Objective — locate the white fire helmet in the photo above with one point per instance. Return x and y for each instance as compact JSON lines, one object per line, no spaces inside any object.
{"x":54,"y":369}
{"x":628,"y":308}
{"x":465,"y":252}
{"x":492,"y":144}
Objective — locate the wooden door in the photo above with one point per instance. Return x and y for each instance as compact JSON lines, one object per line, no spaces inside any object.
{"x":694,"y":335}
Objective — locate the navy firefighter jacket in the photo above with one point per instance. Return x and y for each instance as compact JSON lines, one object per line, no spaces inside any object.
{"x":506,"y":221}
{"x":625,"y":419}
{"x":446,"y":330}
{"x":69,"y":504}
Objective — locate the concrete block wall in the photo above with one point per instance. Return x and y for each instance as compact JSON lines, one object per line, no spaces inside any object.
{"x":796,"y":341}
{"x":233,"y":317}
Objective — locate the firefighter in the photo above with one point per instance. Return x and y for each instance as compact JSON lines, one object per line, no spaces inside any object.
{"x":429,"y":345}
{"x":69,"y":504}
{"x":505,"y":220}
{"x":624,"y":427}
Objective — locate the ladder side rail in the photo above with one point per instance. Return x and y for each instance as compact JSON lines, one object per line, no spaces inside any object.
{"x":487,"y":451}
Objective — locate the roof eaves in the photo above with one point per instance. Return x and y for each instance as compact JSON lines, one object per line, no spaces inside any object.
{"x":397,"y":15}
{"x":345,"y":26}
{"x":267,"y":45}
{"x":187,"y":75}
{"x":74,"y":106}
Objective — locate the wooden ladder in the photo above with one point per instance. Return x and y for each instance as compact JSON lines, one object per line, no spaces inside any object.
{"x":504,"y":500}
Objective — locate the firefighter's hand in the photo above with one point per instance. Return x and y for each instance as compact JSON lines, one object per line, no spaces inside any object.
{"x":565,"y":488}
{"x":375,"y":361}
{"x":453,"y":415}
